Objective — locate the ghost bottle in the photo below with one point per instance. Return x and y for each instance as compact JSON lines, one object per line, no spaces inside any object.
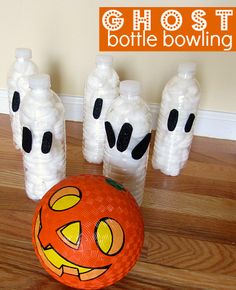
{"x":18,"y":87}
{"x":43,"y":137}
{"x":174,"y":132}
{"x":100,"y":90}
{"x":128,"y":130}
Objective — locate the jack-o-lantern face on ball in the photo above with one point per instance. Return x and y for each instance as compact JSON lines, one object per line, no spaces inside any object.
{"x":88,"y":232}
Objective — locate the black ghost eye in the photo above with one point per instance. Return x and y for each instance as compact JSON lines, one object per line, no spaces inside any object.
{"x":97,"y":109}
{"x":26,"y":140}
{"x":172,"y":120}
{"x":110,"y":134}
{"x":15,"y":101}
{"x":189,"y":123}
{"x":124,"y":137}
{"x":141,"y":148}
{"x":46,"y":142}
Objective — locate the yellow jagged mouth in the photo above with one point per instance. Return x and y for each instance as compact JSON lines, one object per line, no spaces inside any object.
{"x":61,"y":266}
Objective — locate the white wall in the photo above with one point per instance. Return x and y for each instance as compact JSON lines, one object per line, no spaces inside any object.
{"x":63,"y":35}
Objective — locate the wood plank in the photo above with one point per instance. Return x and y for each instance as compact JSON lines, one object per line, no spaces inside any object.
{"x":192,"y":204}
{"x":211,"y":145}
{"x":189,"y":226}
{"x":193,"y":184}
{"x":223,"y":172}
{"x":184,"y":279}
{"x":191,"y":254}
{"x":190,"y":220}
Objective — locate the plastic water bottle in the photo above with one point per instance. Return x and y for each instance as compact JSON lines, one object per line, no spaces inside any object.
{"x":128,"y":129}
{"x":101,"y":88}
{"x":18,"y":87}
{"x":43,"y":137}
{"x":174,"y":132}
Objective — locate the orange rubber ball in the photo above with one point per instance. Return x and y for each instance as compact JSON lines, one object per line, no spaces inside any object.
{"x":88,"y":232}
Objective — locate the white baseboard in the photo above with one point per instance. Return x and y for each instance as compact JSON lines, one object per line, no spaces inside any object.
{"x":212,"y":124}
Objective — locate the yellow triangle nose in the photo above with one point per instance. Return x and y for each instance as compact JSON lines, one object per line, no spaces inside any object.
{"x":70,"y":234}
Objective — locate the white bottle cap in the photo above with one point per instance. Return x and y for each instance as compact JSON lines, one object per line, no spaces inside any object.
{"x":130,"y":88}
{"x":187,"y":67}
{"x":104,"y":59}
{"x":23,"y":53}
{"x":40,"y":81}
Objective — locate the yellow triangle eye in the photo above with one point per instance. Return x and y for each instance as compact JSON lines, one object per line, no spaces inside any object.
{"x":109,"y":236}
{"x":70,"y":234}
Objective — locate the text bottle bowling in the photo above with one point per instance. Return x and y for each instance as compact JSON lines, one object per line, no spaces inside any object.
{"x":18,"y":87}
{"x":101,"y":88}
{"x":128,"y":129}
{"x":43,"y":137}
{"x":174,"y":132}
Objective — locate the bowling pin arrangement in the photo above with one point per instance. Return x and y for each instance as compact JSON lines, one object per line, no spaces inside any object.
{"x":117,"y":125}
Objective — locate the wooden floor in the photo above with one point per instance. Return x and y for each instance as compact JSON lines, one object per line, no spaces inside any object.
{"x":190,"y":220}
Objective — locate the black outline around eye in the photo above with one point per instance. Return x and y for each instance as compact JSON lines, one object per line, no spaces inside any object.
{"x":46,"y":142}
{"x":97,"y":109}
{"x":27,"y":139}
{"x":172,"y":120}
{"x":51,"y":201}
{"x":96,"y":240}
{"x":124,"y":137}
{"x":111,"y":138}
{"x":15,"y":102}
{"x":189,"y":123}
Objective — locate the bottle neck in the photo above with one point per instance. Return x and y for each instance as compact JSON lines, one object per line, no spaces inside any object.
{"x":130,"y":97}
{"x":41,"y":94}
{"x":104,"y":67}
{"x":186,"y":76}
{"x":22,"y":59}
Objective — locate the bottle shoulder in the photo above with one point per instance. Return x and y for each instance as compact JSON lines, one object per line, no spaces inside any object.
{"x":20,"y":70}
{"x":41,"y":98}
{"x":131,"y":103}
{"x":177,"y":86}
{"x":26,"y":67}
{"x":133,"y":112}
{"x":100,"y":78}
{"x":184,"y":82}
{"x":41,"y":113}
